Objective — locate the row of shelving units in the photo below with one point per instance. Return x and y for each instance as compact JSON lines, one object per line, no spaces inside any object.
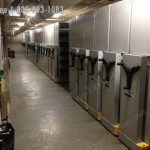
{"x":52,"y":59}
{"x":112,"y":87}
{"x":108,"y":73}
{"x":104,"y":58}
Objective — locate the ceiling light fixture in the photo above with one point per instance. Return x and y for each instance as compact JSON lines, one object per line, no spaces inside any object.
{"x":39,"y":30}
{"x":52,"y":19}
{"x":14,"y":13}
{"x":16,"y":28}
{"x":31,"y":14}
{"x":20,"y":24}
{"x":57,"y":15}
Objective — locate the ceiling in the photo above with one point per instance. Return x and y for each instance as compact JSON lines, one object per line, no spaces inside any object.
{"x":14,"y":22}
{"x":72,"y":8}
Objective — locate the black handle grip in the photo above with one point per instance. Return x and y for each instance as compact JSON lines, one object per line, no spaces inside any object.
{"x":101,"y":60}
{"x":48,"y":52}
{"x":92,"y":79}
{"x":107,"y":85}
{"x":127,"y":94}
{"x":52,"y":52}
{"x":129,"y":73}
{"x":108,"y":66}
{"x":81,"y":60}
{"x":92,"y":63}
{"x":45,"y":52}
{"x":73,"y":57}
{"x":120,"y":64}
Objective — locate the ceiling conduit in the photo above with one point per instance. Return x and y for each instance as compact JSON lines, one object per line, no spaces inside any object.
{"x":67,"y":4}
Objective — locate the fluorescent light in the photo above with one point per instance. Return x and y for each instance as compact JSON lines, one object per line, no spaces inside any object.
{"x":20,"y":24}
{"x":77,"y":17}
{"x":52,"y":19}
{"x":14,"y":13}
{"x":16,"y":28}
{"x":57,"y":15}
{"x":38,"y":30}
{"x":31,"y":14}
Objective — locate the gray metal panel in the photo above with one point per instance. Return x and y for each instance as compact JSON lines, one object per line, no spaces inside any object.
{"x":50,"y":63}
{"x":43,"y":34}
{"x":73,"y":74}
{"x":49,"y":34}
{"x":120,"y":27}
{"x":50,"y":67}
{"x":55,"y":64}
{"x":147,"y":124}
{"x":72,"y":33}
{"x":111,"y":92}
{"x":52,"y":34}
{"x":41,"y":59}
{"x":35,"y":55}
{"x":140,"y":31}
{"x":83,"y":77}
{"x":102,"y":25}
{"x":145,"y":96}
{"x":80,"y":30}
{"x":94,"y":83}
{"x":131,"y":107}
{"x":89,"y":30}
{"x":40,"y":36}
{"x":45,"y":63}
{"x":56,"y":34}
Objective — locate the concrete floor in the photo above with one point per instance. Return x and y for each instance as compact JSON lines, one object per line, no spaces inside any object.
{"x":46,"y":118}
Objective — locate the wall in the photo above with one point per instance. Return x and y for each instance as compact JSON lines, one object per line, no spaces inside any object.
{"x":47,"y":35}
{"x":102,"y":28}
{"x":122,"y":27}
{"x":15,"y":44}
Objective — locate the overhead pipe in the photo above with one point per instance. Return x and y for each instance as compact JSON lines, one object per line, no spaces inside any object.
{"x":33,"y":21}
{"x":43,"y":16}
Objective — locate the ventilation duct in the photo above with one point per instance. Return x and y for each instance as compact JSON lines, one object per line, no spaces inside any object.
{"x":71,"y":9}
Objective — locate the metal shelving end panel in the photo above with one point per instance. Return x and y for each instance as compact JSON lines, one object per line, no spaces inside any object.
{"x":73,"y":72}
{"x":83,"y":77}
{"x":54,"y":61}
{"x":131,"y":103}
{"x":111,"y":91}
{"x":102,"y":28}
{"x":94,"y":83}
{"x":144,"y":95}
{"x":88,"y":30}
{"x":120,"y":17}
